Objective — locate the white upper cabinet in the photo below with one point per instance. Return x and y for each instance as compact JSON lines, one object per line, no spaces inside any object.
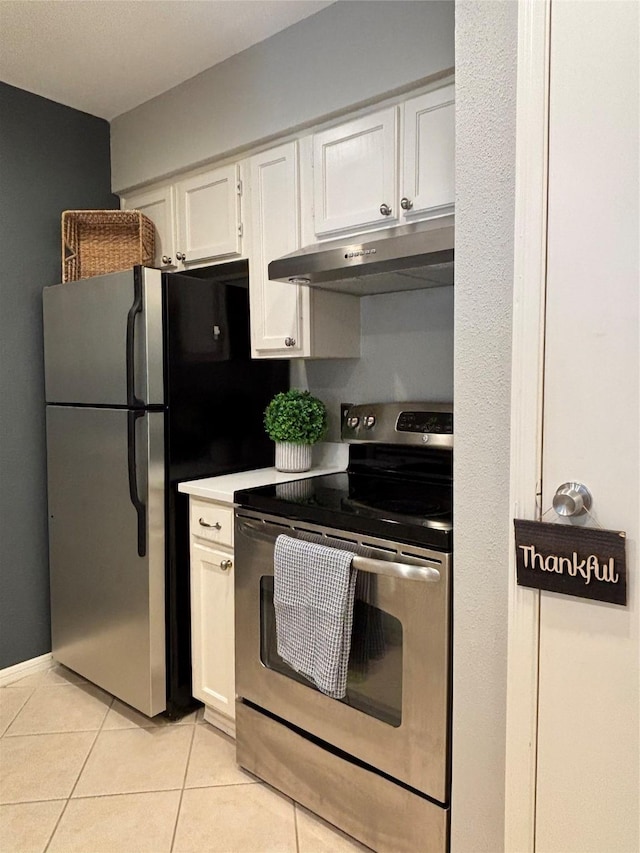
{"x":356,"y":182}
{"x":385,"y":168}
{"x":208,"y":209}
{"x":197,"y":219}
{"x":290,"y":320}
{"x":276,"y":308}
{"x":428,"y":174}
{"x":159,"y":206}
{"x":355,"y":175}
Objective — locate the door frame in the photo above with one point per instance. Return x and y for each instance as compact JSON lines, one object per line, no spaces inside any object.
{"x":527,"y":385}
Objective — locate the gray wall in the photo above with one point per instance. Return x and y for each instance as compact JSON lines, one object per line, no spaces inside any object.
{"x":52,"y":158}
{"x":486,"y":41}
{"x":406,"y":354}
{"x":342,"y":56}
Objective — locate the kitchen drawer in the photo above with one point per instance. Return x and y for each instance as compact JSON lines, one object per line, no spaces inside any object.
{"x":212,"y":522}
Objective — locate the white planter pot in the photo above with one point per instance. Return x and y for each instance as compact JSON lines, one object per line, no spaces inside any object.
{"x":292,"y":457}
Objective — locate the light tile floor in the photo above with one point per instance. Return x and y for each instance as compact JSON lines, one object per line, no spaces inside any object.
{"x":82,"y":773}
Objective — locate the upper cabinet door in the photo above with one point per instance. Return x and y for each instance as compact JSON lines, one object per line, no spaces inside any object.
{"x":355,"y":182}
{"x":208,"y":208}
{"x":277,"y":308}
{"x":428,"y":184}
{"x":159,"y":206}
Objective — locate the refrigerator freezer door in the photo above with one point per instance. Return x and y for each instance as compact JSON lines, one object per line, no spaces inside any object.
{"x":103,"y":340}
{"x":107,"y":549}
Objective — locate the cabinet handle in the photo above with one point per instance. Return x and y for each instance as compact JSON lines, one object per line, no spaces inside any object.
{"x":385,"y":210}
{"x":166,"y":259}
{"x":406,"y":204}
{"x":225,"y":565}
{"x":203,"y":523}
{"x":181,"y":256}
{"x":289,"y":342}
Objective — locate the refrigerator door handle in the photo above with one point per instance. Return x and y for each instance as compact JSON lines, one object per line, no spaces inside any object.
{"x":141,"y":510}
{"x":136,"y":308}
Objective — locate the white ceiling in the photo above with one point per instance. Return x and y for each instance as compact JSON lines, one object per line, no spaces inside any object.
{"x":107,"y":56}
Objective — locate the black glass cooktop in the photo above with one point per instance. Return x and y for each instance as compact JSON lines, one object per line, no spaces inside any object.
{"x":397,"y":501}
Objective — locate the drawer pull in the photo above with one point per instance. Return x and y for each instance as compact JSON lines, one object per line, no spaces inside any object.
{"x":203,"y":523}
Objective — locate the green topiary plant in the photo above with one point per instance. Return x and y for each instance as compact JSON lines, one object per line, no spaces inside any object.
{"x":295,"y":416}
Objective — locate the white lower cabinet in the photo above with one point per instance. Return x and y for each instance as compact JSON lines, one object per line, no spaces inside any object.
{"x":289,"y":320}
{"x":212,"y":611}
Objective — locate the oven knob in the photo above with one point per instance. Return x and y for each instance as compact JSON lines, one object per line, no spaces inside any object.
{"x":353,"y":422}
{"x":369,"y":421}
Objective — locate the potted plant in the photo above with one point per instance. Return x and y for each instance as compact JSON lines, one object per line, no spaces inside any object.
{"x":295,"y":421}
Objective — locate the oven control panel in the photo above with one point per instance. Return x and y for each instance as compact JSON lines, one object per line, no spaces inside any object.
{"x":426,"y":424}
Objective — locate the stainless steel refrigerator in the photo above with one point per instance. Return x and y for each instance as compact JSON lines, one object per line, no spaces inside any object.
{"x":149,"y":381}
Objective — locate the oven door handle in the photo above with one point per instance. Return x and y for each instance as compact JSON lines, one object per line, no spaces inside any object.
{"x":389,"y":569}
{"x":256,"y":530}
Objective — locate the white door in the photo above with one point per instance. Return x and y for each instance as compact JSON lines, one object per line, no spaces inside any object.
{"x":158,"y":205}
{"x":208,"y":209}
{"x":212,"y":628}
{"x":573,"y":745}
{"x":355,"y":183}
{"x":588,"y":788}
{"x":428,"y":174}
{"x":279,"y":311}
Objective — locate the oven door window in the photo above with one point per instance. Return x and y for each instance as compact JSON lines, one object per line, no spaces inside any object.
{"x":374,"y":683}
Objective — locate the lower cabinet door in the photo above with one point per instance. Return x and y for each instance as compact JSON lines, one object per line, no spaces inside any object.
{"x":212,"y":628}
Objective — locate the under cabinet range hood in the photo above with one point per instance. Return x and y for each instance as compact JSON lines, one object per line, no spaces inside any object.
{"x":408,"y":257}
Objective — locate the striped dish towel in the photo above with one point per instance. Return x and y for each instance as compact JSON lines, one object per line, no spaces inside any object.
{"x":313,"y":594}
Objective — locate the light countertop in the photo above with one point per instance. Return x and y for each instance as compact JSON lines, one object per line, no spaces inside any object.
{"x":329,"y":458}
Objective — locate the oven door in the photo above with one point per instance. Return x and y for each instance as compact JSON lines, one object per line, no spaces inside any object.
{"x":395,"y":714}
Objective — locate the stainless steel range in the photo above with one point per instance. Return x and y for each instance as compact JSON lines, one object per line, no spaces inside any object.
{"x":377,"y":762}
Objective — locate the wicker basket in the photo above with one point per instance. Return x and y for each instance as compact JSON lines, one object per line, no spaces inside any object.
{"x":95,"y":242}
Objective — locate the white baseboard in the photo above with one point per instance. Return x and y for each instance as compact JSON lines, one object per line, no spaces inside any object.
{"x":27,"y":667}
{"x":220,"y":721}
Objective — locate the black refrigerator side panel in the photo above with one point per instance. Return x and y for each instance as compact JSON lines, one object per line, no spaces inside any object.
{"x":178,"y":605}
{"x":216,"y":396}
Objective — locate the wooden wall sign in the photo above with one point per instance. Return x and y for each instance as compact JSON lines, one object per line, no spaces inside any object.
{"x":585,"y":561}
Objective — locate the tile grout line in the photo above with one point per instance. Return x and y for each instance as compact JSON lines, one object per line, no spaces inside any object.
{"x":84,"y":764}
{"x":216,"y":785}
{"x":81,"y":797}
{"x":15,"y":716}
{"x":295,"y":825}
{"x":34,"y":689}
{"x":184,"y":781}
{"x":55,"y":732}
